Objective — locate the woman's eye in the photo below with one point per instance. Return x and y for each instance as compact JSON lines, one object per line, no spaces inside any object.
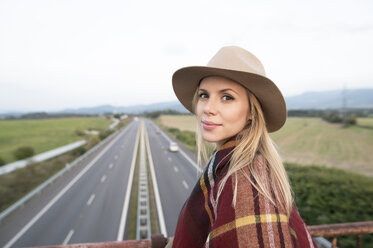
{"x":203,"y":95}
{"x":227,"y":98}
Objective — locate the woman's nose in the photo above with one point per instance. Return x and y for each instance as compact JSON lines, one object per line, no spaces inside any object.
{"x":210,"y":107}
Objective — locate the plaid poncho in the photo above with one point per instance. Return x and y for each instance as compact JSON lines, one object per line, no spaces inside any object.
{"x":254,"y":222}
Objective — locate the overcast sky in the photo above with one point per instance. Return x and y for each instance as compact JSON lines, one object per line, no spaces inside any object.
{"x":69,"y":54}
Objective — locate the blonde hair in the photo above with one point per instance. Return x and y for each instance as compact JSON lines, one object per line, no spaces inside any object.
{"x":250,"y":142}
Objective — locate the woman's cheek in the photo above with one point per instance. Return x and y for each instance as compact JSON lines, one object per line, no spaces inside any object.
{"x":238,"y":116}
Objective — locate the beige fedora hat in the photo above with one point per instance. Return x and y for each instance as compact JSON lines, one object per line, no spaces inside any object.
{"x":241,"y":66}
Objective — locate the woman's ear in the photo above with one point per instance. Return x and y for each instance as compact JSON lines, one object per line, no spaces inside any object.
{"x":249,"y":119}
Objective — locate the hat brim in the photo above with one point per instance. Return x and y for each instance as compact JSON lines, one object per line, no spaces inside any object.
{"x":186,"y":80}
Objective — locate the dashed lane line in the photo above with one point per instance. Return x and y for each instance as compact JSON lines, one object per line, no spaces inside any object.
{"x":184,"y":154}
{"x":103,"y":178}
{"x":61,"y":193}
{"x":68,"y":237}
{"x":185,"y":185}
{"x":89,"y":202}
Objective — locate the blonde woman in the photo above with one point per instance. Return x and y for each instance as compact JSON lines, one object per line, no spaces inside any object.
{"x":243,"y":198}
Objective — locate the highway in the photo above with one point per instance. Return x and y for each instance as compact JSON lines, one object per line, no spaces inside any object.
{"x":176,"y":176}
{"x":88,"y":203}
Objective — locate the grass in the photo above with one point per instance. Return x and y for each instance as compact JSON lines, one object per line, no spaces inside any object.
{"x":155,"y":228}
{"x":44,"y":135}
{"x":365,"y":122}
{"x":329,"y":195}
{"x":313,"y":141}
{"x":18,"y":183}
{"x":182,"y":122}
{"x":132,"y":215}
{"x":132,"y":221}
{"x":186,"y":137}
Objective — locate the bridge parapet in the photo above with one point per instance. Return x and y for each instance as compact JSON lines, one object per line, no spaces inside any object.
{"x":330,"y":230}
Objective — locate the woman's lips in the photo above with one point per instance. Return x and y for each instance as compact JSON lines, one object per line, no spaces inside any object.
{"x":209,"y":125}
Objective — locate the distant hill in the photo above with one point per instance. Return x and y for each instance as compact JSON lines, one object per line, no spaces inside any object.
{"x":135,"y":109}
{"x":355,"y":98}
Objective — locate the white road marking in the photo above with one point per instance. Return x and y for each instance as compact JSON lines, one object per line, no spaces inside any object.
{"x":155,"y":188}
{"x":89,"y":202}
{"x":165,"y":152}
{"x":185,"y":185}
{"x":60,"y":194}
{"x":184,"y":154}
{"x":170,"y":159}
{"x":68,"y":237}
{"x":103,"y":178}
{"x":123,"y":218}
{"x":162,"y":147}
{"x":110,"y":166}
{"x":116,"y":157}
{"x":176,"y":169}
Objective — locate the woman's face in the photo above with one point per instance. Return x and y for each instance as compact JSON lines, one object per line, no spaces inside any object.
{"x":222,"y":109}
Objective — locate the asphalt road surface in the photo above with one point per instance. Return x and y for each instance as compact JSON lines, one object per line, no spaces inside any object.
{"x":86,"y":204}
{"x":90,"y":208}
{"x":175,"y":174}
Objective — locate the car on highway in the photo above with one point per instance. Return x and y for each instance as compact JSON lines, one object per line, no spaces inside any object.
{"x":173,"y":147}
{"x":158,"y":131}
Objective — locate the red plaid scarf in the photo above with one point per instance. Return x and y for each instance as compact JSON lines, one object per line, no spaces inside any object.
{"x":254,"y":222}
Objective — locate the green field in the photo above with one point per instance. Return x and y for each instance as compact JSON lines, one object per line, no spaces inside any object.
{"x":313,"y":141}
{"x":182,"y":122}
{"x":365,"y":122}
{"x":44,"y":135}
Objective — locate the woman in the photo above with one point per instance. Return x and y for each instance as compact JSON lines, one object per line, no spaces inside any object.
{"x":243,"y":198}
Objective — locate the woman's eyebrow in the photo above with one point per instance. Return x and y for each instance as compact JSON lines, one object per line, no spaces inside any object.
{"x":228,"y":89}
{"x":221,"y":91}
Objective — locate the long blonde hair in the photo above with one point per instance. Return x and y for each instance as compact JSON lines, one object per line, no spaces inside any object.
{"x":251,"y":141}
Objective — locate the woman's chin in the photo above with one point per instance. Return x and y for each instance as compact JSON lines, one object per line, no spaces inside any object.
{"x":210,"y":138}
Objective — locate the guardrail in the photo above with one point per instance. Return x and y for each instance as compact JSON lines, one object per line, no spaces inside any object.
{"x":159,"y":241}
{"x":143,"y":212}
{"x":335,"y":230}
{"x":36,"y":191}
{"x":5,"y":169}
